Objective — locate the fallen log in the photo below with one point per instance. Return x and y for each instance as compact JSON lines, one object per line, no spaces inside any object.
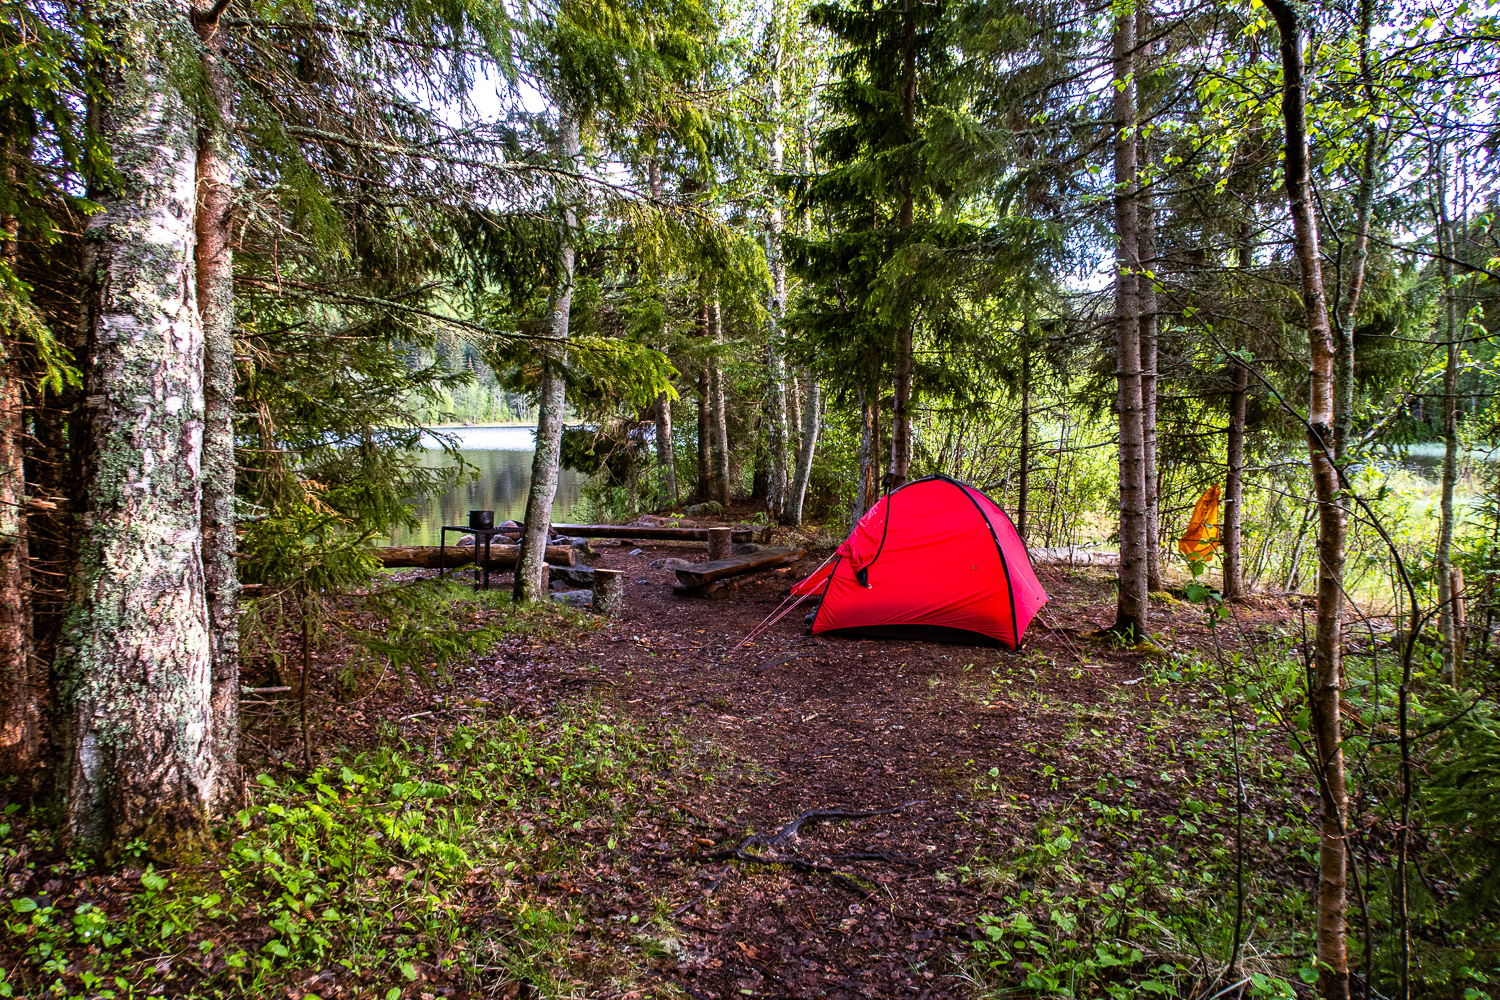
{"x":648,"y":532}
{"x":702,"y":574}
{"x":427,"y":556}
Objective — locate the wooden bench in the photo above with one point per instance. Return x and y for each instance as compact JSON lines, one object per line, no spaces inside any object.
{"x":715,"y":577}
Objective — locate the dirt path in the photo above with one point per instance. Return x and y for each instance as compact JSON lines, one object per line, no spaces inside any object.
{"x":952,"y":738}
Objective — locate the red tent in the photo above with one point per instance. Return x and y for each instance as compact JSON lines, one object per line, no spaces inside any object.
{"x":936,"y":559}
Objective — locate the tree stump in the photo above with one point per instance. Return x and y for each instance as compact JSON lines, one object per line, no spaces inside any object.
{"x":720,"y":543}
{"x":609,"y":592}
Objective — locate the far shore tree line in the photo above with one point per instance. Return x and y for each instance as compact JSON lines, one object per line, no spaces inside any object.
{"x":796,"y":256}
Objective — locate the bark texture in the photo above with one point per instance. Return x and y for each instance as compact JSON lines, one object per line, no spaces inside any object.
{"x":1327,"y":678}
{"x":808,"y":446}
{"x":1146,"y":290}
{"x":1131,"y":606}
{"x":719,"y":424}
{"x":666,"y":453}
{"x":531,"y":578}
{"x":20,"y":701}
{"x":1149,"y":340}
{"x":214,"y":260}
{"x":135,"y":656}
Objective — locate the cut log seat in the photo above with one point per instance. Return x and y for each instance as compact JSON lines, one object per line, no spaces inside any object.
{"x":426,"y":556}
{"x":698,"y":579}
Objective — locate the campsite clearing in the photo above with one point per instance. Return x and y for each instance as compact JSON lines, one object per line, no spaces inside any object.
{"x":975,"y":750}
{"x":642,"y":807}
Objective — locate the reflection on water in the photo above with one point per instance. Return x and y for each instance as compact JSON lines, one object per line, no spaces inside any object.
{"x":503,"y":457}
{"x":1426,"y":460}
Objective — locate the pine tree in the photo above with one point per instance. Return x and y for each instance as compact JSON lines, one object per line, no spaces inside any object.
{"x":875,"y":197}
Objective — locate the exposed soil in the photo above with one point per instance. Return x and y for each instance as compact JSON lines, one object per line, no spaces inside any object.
{"x":792,"y":723}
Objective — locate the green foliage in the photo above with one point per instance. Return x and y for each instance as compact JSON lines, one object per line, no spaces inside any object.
{"x":367,"y":866}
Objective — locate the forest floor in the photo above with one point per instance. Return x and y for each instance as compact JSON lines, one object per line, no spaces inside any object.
{"x":972,"y":763}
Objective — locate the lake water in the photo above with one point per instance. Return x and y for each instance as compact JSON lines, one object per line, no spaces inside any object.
{"x":1426,"y":459}
{"x":503,"y":458}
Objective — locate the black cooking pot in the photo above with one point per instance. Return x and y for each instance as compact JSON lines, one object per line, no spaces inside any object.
{"x":481,"y":520}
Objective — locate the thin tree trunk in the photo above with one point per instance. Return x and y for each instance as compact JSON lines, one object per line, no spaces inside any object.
{"x":1234,"y":486}
{"x":135,"y":657}
{"x":666,"y":460}
{"x":1146,"y":288}
{"x":1343,"y":369}
{"x":1131,"y":606}
{"x":530,"y":575}
{"x":776,"y":396}
{"x":214,"y":260}
{"x":869,"y":452}
{"x":1446,"y":595}
{"x":704,"y":489}
{"x":719,"y":414}
{"x":20,"y":708}
{"x":666,"y":452}
{"x":901,"y":416}
{"x":808,"y":447}
{"x":1149,"y":339}
{"x":1023,"y":501}
{"x":1328,"y":678}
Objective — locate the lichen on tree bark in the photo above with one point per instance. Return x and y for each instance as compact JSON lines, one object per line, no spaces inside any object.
{"x":135,"y":658}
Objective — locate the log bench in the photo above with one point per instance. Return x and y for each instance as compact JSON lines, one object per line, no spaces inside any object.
{"x":715,"y":577}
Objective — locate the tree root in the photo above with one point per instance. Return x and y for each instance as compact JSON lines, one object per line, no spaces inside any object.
{"x":790,"y":832}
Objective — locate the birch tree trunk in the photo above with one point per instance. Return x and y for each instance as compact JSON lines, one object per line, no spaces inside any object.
{"x":214,"y":260}
{"x":776,"y":396}
{"x":719,"y":426}
{"x":531,"y":570}
{"x":811,"y":406}
{"x":666,"y":455}
{"x":20,"y":704}
{"x":135,"y":661}
{"x":1131,"y":605}
{"x":1445,"y":574}
{"x":1327,"y":675}
{"x":666,"y":451}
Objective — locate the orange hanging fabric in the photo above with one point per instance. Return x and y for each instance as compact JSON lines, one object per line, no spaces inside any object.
{"x":1201,"y":540}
